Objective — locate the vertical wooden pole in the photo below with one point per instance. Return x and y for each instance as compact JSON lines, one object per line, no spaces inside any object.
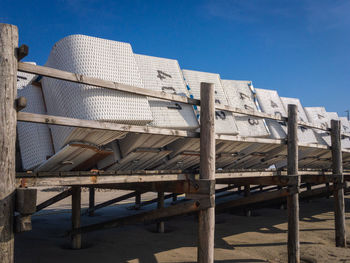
{"x":174,"y":197}
{"x":8,"y":119}
{"x":206,"y":218}
{"x":91,"y":200}
{"x":293,"y":198}
{"x":160,"y":225}
{"x":247,"y":193}
{"x":337,"y":167}
{"x":76,"y":205}
{"x":138,"y":200}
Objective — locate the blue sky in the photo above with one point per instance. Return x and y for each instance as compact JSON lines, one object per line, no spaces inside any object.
{"x":300,"y":48}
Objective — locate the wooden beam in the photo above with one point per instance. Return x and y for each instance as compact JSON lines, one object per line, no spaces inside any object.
{"x":8,"y":94}
{"x":101,"y":125}
{"x":337,"y":168}
{"x":160,"y":204}
{"x":206,"y":217}
{"x":282,"y":180}
{"x":252,"y":199}
{"x":26,"y":201}
{"x":112,"y":201}
{"x":293,"y":198}
{"x":54,"y":199}
{"x":147,"y":217}
{"x":91,"y":200}
{"x":200,"y":186}
{"x":76,"y":210}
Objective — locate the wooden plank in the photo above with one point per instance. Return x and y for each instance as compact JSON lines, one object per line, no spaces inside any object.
{"x":76,"y":211}
{"x":147,"y":217}
{"x":282,"y":180}
{"x":252,"y":199}
{"x":293,"y":199}
{"x":337,"y":168}
{"x":206,"y":217}
{"x":201,"y":186}
{"x":77,"y":78}
{"x":8,"y":94}
{"x":101,"y":125}
{"x":54,"y":199}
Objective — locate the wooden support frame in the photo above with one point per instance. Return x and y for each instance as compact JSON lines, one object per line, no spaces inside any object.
{"x":54,"y":199}
{"x":112,"y":201}
{"x":147,"y":217}
{"x":337,"y":168}
{"x":293,"y":198}
{"x":76,"y":211}
{"x":160,"y":204}
{"x":206,"y":217}
{"x":91,"y":200}
{"x":8,"y":94}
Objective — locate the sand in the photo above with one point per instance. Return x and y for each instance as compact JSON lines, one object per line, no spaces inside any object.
{"x":259,"y":238}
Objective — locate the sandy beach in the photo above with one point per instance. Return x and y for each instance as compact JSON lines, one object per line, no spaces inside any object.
{"x":259,"y":238}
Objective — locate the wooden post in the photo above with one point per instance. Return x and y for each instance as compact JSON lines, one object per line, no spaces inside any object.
{"x":246,"y":194}
{"x":160,"y":225}
{"x":8,"y":119}
{"x":293,"y":198}
{"x":138,"y":200}
{"x":76,"y":205}
{"x":337,"y":168}
{"x":91,"y":200}
{"x":174,"y":197}
{"x":206,"y":218}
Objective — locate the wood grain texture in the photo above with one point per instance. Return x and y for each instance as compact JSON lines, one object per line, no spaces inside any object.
{"x":337,"y":168}
{"x":206,"y":218}
{"x":293,"y":198}
{"x":8,"y":94}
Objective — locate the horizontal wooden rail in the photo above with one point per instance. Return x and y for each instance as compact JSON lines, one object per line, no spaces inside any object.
{"x":78,"y":78}
{"x":101,"y":125}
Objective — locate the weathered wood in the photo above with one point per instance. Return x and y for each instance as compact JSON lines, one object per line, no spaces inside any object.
{"x":201,"y":186}
{"x":112,"y":201}
{"x":160,"y":204}
{"x":22,"y":52}
{"x":282,"y":180}
{"x":21,"y":103}
{"x":337,"y":168}
{"x":23,"y":223}
{"x":246,"y":194}
{"x":8,"y":94}
{"x":206,"y":218}
{"x":26,"y":201}
{"x":293,"y":198}
{"x":91,"y":200}
{"x":101,"y":125}
{"x":148,"y":217}
{"x":252,"y":199}
{"x":54,"y":199}
{"x":76,"y":207}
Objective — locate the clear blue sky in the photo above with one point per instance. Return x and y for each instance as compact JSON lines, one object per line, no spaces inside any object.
{"x":300,"y":48}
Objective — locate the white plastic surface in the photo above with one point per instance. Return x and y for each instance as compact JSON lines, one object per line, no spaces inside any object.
{"x":34,"y":139}
{"x":162,"y":74}
{"x":319,"y":116}
{"x":305,"y":135}
{"x":224,"y":121}
{"x":271,"y":103}
{"x":100,"y":58}
{"x":239,"y":95}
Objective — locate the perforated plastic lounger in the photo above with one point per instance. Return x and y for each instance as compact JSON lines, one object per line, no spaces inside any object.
{"x":240,"y":95}
{"x":319,"y":116}
{"x":34,"y":139}
{"x":100,"y":58}
{"x":271,"y":103}
{"x":305,"y":135}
